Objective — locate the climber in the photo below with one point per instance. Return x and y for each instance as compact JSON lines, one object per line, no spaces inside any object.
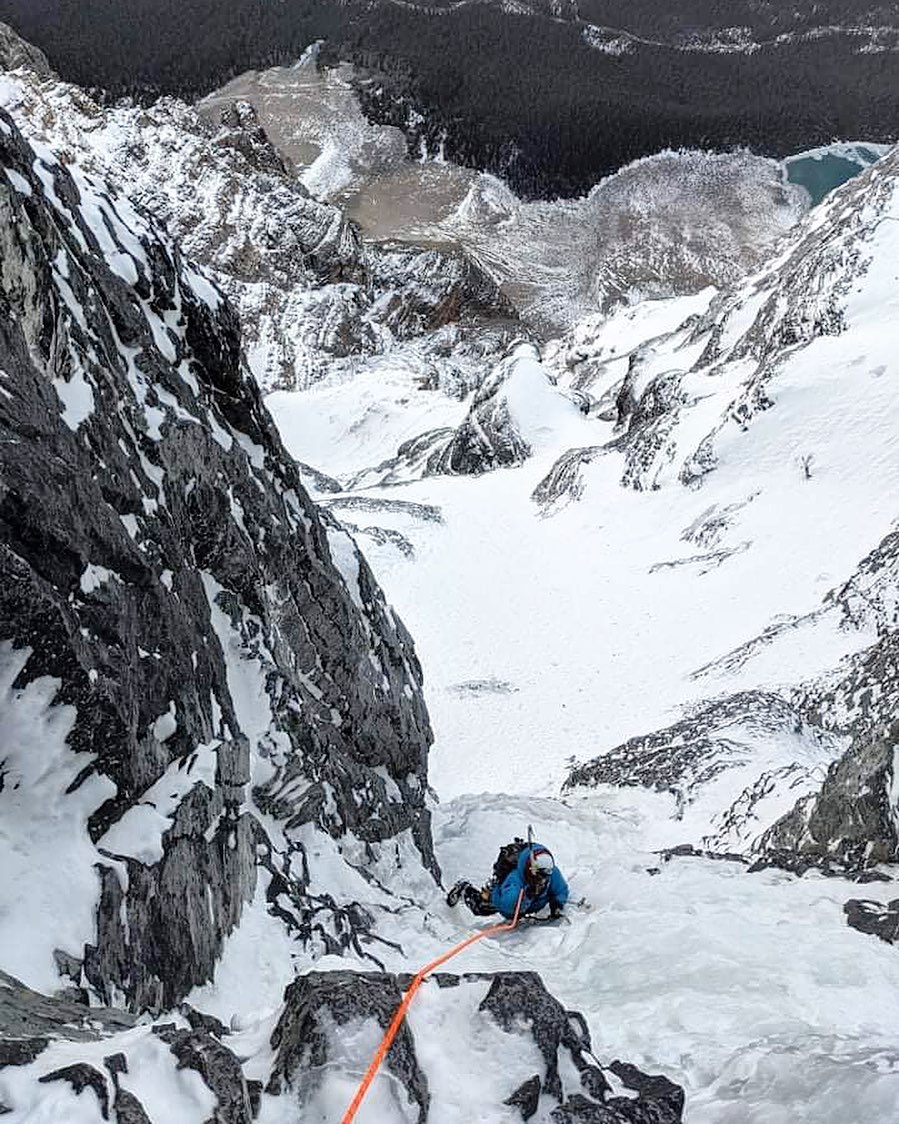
{"x":519,"y":865}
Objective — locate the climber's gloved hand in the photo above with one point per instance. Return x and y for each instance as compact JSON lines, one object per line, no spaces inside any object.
{"x":555,"y":911}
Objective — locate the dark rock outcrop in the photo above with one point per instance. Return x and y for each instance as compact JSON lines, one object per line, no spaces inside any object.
{"x":564,"y":483}
{"x":526,"y":1097}
{"x":851,"y":823}
{"x":28,"y":1020}
{"x":874,"y":918}
{"x":517,"y":996}
{"x":15,"y":52}
{"x":516,"y":398}
{"x":161,"y":561}
{"x":693,"y":751}
{"x":82,"y":1076}
{"x":95,"y":1028}
{"x":128,"y":1109}
{"x":488,"y":438}
{"x":427,"y":287}
{"x":208,"y":1023}
{"x":318,"y":1004}
{"x":302,"y":1042}
{"x":21,"y":1051}
{"x":732,"y":733}
{"x":240,"y":130}
{"x":654,"y":1089}
{"x":219,"y":1068}
{"x":579,"y":1109}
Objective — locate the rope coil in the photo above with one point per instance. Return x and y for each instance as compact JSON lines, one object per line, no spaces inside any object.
{"x":397,"y":1020}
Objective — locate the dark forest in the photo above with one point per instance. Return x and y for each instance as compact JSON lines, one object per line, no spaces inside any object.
{"x":522,"y":95}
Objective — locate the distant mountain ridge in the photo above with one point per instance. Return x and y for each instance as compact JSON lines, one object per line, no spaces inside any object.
{"x":309,"y":291}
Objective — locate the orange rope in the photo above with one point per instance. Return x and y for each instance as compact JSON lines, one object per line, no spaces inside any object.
{"x":396,"y":1022}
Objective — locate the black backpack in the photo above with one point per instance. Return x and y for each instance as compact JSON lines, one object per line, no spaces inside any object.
{"x":507,"y":860}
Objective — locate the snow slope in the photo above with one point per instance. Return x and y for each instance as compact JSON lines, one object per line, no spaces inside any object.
{"x":737,"y":463}
{"x":590,"y":624}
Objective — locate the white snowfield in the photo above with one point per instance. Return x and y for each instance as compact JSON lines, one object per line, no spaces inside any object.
{"x":550,"y":635}
{"x":558,"y":631}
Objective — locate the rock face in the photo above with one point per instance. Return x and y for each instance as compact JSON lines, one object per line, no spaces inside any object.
{"x":514,"y":1014}
{"x":27,"y":1017}
{"x":511,"y":409}
{"x":16,"y":53}
{"x":199,"y":643}
{"x":431,"y":286}
{"x":493,"y":1039}
{"x":689,"y":753}
{"x":217,"y":1066}
{"x":98,"y":1082}
{"x":757,"y":736}
{"x":852,"y":823}
{"x":303,"y":1045}
{"x":689,"y":402}
{"x":735,"y":351}
{"x":872,"y":917}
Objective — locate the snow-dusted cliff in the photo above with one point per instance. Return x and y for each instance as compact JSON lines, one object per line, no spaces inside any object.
{"x":195,"y":645}
{"x":790,"y":376}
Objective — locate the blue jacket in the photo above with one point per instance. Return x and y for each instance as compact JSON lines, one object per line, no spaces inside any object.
{"x":505,"y":895}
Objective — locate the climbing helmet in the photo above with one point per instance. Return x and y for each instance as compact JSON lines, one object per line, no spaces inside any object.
{"x":540,"y":868}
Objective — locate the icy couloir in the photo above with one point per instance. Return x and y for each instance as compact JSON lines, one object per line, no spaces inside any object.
{"x":211,"y":720}
{"x":761,"y":420}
